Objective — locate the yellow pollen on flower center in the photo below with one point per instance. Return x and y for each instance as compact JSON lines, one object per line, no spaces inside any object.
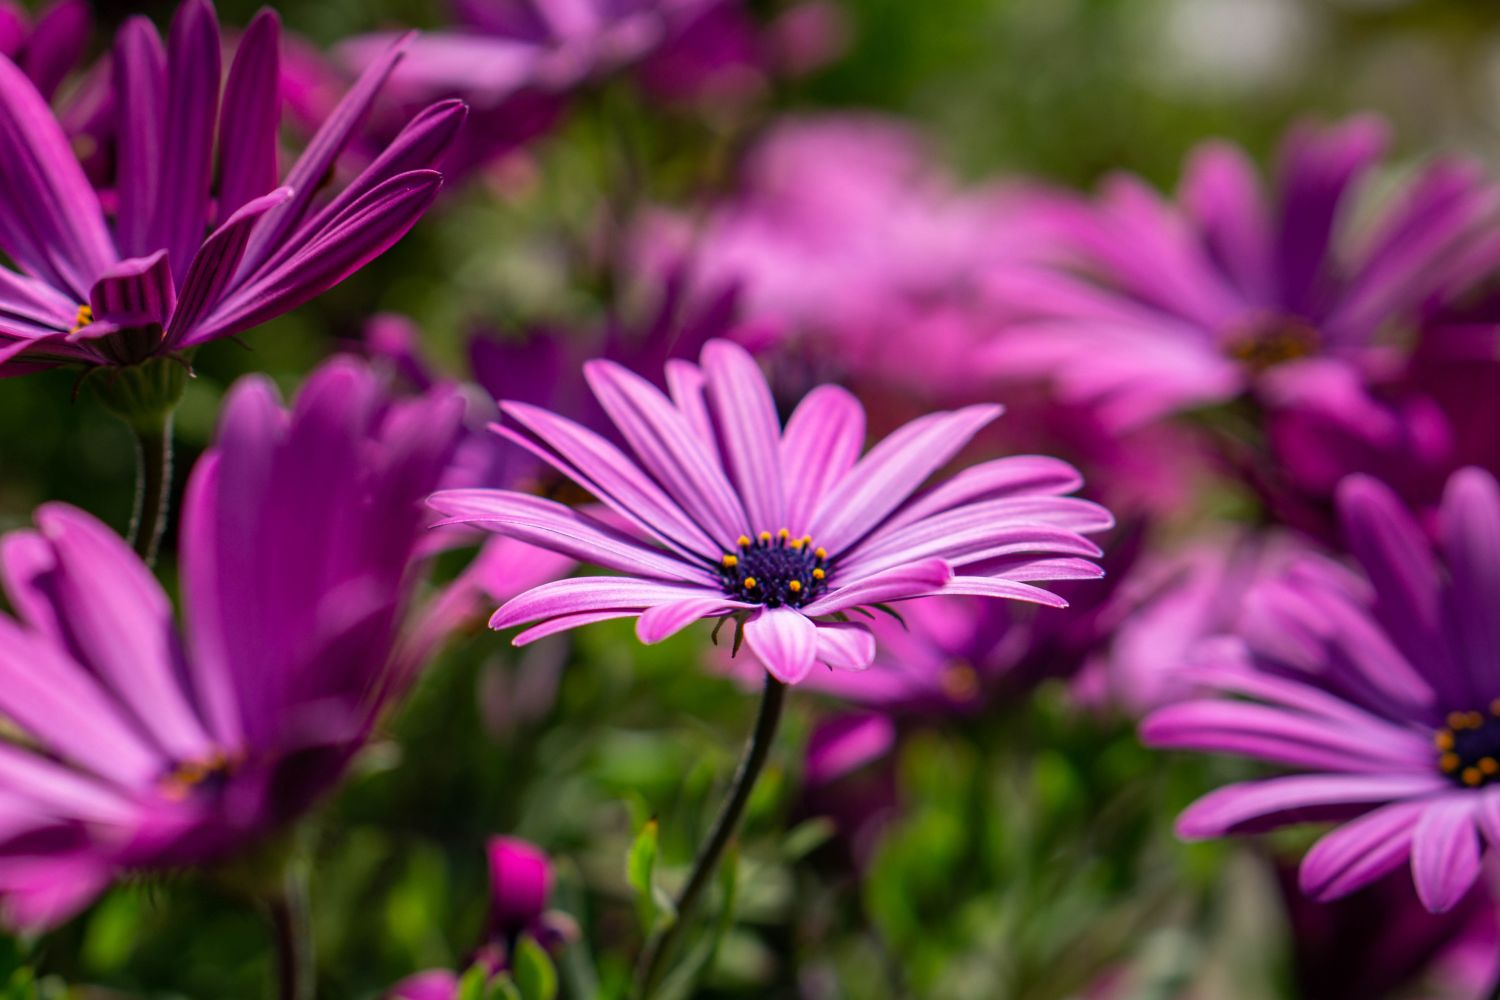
{"x":775,"y":569}
{"x":178,"y":783}
{"x":83,"y":318}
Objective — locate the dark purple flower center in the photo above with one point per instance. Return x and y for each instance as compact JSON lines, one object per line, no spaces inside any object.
{"x":1271,"y":340}
{"x":1469,"y":747}
{"x":775,"y":569}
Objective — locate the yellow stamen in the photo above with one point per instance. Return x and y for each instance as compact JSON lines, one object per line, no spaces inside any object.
{"x":749,"y":583}
{"x":1443,"y":739}
{"x":744,"y":542}
{"x":1471,"y":776}
{"x":1458,"y":720}
{"x":1475,"y":720}
{"x":1489,"y":765}
{"x":807,"y":540}
{"x":730,"y":562}
{"x":764,"y":536}
{"x":1495,"y":707}
{"x":818,"y":574}
{"x":1448,"y":762}
{"x":795,"y":586}
{"x":783,"y":534}
{"x":84,"y":317}
{"x":820,"y":552}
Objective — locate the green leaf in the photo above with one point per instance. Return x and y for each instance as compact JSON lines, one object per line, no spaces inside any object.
{"x":639,"y":867}
{"x":472,"y":985}
{"x":534,"y":974}
{"x":502,"y":988}
{"x":807,"y":837}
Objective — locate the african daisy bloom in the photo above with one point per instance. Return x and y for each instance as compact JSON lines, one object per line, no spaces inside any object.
{"x":1381,"y":686}
{"x":196,"y":244}
{"x":1152,"y":306}
{"x":148,"y":747}
{"x":726,"y":514}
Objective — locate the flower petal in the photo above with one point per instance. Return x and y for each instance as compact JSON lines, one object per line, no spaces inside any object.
{"x":667,"y":448}
{"x":845,"y":645}
{"x":751,"y":432}
{"x":785,"y":641}
{"x":560,"y":528}
{"x":1445,"y":852}
{"x":1361,"y":851}
{"x":251,"y":116}
{"x":891,"y":472}
{"x":1298,"y":798}
{"x":180,"y":217}
{"x":140,"y":79}
{"x":666,"y":620}
{"x":822,"y":441}
{"x":915,"y":579}
{"x":51,"y":223}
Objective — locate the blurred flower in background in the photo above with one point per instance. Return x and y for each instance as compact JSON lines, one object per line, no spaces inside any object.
{"x":1382,"y":687}
{"x":90,"y":293}
{"x":150,"y":748}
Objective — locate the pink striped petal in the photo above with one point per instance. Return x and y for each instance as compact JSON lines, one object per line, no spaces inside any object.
{"x":1361,"y":851}
{"x":822,"y":441}
{"x":666,"y":620}
{"x":747,"y":421}
{"x":785,"y":641}
{"x":1445,"y":852}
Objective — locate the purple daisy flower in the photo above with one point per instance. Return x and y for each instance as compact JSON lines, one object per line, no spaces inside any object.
{"x":1383,"y":686}
{"x":1153,"y":307}
{"x":190,"y":247}
{"x":727,"y":514}
{"x":150,"y":747}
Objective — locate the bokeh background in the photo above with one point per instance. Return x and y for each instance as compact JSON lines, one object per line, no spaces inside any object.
{"x":1031,"y":855}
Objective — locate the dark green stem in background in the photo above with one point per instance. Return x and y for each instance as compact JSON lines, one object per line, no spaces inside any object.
{"x":293,"y":933}
{"x":659,"y":947}
{"x":144,"y":396}
{"x":153,"y":486}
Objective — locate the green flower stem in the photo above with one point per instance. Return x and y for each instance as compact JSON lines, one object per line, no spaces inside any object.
{"x":145,"y":395}
{"x":153,"y":486}
{"x":654,"y":957}
{"x":295,"y":968}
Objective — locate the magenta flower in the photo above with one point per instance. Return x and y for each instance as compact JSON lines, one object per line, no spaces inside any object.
{"x":1381,"y":686}
{"x":1170,"y":603}
{"x":520,"y":890}
{"x":787,"y":531}
{"x":846,"y":235}
{"x":1154,"y":307}
{"x":147,"y":747}
{"x":201,"y":247}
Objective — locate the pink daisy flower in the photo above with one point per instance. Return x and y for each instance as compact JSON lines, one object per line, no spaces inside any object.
{"x":720,"y":511}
